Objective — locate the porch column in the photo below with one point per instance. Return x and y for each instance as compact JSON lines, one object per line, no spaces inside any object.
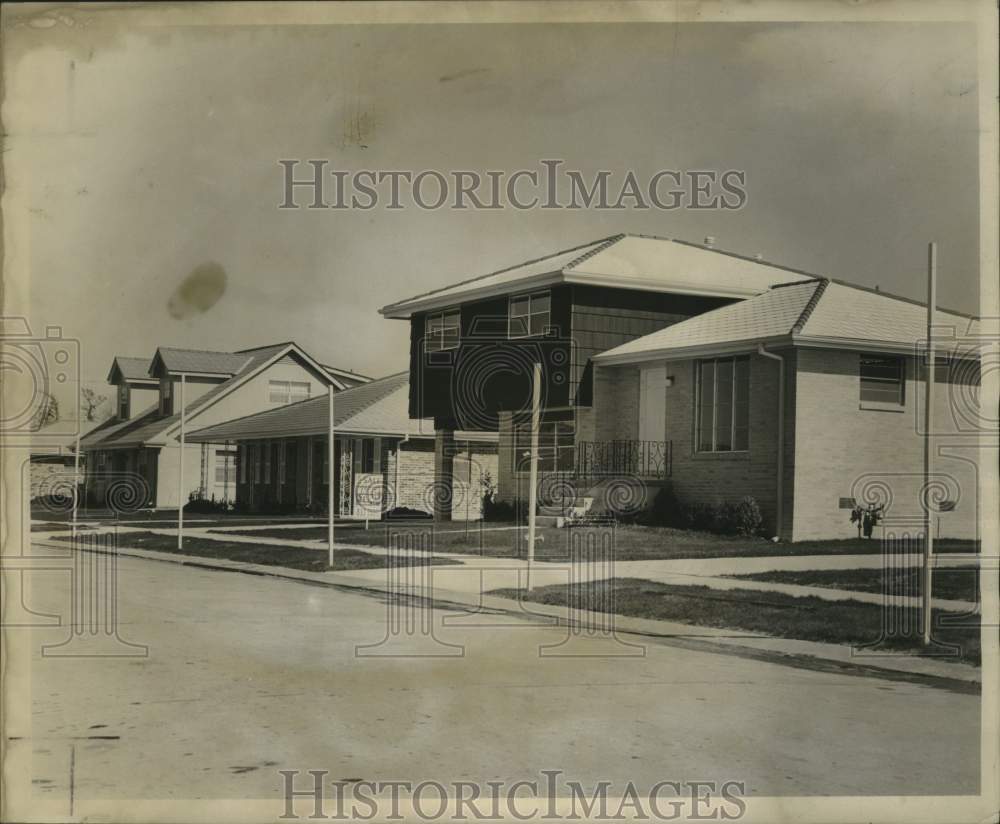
{"x":444,"y":473}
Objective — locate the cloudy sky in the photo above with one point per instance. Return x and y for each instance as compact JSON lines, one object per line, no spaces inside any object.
{"x":139,"y":155}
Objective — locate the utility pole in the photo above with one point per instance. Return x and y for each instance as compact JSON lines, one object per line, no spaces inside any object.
{"x":329,"y":477}
{"x":928,"y":426}
{"x":180,"y":473}
{"x":536,"y":398}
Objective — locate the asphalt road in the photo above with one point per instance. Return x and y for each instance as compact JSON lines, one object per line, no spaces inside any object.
{"x":248,"y":675}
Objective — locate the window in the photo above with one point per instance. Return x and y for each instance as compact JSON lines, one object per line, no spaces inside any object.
{"x":123,"y":401}
{"x":368,"y":455}
{"x":225,"y":466}
{"x":288,"y":391}
{"x":256,"y":462}
{"x":166,"y":397}
{"x":326,"y":460}
{"x":556,"y":446}
{"x":530,"y":315}
{"x":266,"y":447}
{"x":881,"y":380}
{"x":281,"y":462}
{"x":722,"y":405}
{"x":242,"y":460}
{"x":442,"y":331}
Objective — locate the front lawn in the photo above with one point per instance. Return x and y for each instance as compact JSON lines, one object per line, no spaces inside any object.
{"x":632,"y":543}
{"x":312,"y":560}
{"x":767,"y":613}
{"x":957,"y":583}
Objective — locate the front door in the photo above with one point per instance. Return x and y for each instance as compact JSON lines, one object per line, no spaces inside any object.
{"x":653,"y":403}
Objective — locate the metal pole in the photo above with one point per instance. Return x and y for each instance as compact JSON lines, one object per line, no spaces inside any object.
{"x":928,"y":423}
{"x":76,"y":475}
{"x":180,"y":473}
{"x":329,"y":477}
{"x":536,"y":397}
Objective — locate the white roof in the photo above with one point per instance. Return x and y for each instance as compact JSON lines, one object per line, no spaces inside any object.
{"x":653,"y":264}
{"x":817,"y":312}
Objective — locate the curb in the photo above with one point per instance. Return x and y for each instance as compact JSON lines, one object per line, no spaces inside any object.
{"x":732,"y":642}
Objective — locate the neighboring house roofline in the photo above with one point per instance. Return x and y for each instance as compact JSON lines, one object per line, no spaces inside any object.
{"x":171,"y":423}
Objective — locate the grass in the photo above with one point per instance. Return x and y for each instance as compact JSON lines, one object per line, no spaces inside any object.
{"x":633,"y":543}
{"x":957,"y":583}
{"x":775,"y":614}
{"x":312,"y":560}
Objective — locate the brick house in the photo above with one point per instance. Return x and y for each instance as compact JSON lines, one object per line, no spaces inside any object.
{"x":142,"y":439}
{"x":588,"y":314}
{"x":383,"y":460}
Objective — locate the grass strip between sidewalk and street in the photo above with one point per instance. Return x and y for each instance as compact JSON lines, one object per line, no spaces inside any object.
{"x":632,"y":543}
{"x":959,"y":583}
{"x":768,"y":613}
{"x":304,"y":558}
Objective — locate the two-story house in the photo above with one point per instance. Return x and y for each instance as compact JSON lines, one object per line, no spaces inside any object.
{"x":593,"y":317}
{"x":142,"y":439}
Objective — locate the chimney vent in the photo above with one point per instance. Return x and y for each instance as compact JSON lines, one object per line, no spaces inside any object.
{"x":710,"y":242}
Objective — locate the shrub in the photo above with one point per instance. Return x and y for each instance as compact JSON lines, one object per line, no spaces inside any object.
{"x":665,"y":511}
{"x":406,"y":512}
{"x":494,"y":510}
{"x":746,"y":517}
{"x":200,"y":504}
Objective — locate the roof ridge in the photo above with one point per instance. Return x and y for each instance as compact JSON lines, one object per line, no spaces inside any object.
{"x":600,"y":247}
{"x":807,"y":310}
{"x":265,"y":346}
{"x":505,"y":269}
{"x":894,"y":296}
{"x":748,"y":258}
{"x":202,"y":351}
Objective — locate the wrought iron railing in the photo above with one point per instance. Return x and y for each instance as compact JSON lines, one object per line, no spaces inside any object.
{"x":643,"y":459}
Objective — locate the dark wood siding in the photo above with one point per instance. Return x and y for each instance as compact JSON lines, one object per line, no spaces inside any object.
{"x":603,"y":318}
{"x":467,"y":387}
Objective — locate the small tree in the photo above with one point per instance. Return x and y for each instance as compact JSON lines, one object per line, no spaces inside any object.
{"x":48,"y":411}
{"x":91,"y":403}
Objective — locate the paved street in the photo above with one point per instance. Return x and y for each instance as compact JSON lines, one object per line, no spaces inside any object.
{"x":247,"y":675}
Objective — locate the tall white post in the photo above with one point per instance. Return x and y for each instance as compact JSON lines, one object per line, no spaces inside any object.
{"x":536,"y":399}
{"x":180,"y":473}
{"x":329,"y":478}
{"x":928,"y":425}
{"x":76,"y":475}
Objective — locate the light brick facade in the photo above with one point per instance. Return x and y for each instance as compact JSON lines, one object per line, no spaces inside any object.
{"x":835,"y":446}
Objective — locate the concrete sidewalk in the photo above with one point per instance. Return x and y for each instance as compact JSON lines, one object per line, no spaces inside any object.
{"x":709,"y":572}
{"x":464,"y":587}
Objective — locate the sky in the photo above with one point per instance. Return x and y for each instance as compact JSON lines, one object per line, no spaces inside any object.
{"x":138,"y":156}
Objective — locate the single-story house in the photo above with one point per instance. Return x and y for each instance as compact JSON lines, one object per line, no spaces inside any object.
{"x":383,"y":460}
{"x":142,"y":441}
{"x":807,"y":397}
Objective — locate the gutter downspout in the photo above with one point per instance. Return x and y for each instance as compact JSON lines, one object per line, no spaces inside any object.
{"x":781,"y":435}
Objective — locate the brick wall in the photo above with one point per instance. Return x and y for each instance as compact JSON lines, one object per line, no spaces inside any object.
{"x":709,"y":477}
{"x":415,"y":486}
{"x":845,"y":450}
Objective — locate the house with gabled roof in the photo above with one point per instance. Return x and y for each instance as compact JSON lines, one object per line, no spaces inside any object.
{"x":383,"y":460}
{"x":142,"y":439}
{"x":608,"y":320}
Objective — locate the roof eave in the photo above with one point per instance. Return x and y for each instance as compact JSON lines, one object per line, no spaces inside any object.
{"x":657,"y":285}
{"x":407,"y":308}
{"x":674,"y":353}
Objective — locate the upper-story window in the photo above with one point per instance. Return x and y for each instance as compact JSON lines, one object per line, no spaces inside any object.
{"x":882,"y":380}
{"x":123,"y":401}
{"x":722,"y":405}
{"x":442,"y":330}
{"x":166,"y":397}
{"x":529,"y":315}
{"x":287,"y":391}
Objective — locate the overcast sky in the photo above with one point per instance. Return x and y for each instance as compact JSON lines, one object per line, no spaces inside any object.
{"x":146,"y":154}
